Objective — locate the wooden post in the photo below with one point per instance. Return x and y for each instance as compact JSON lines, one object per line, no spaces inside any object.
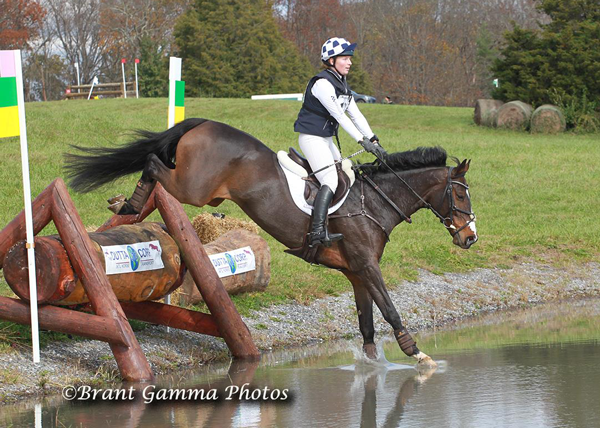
{"x":64,"y":320}
{"x":232,"y":328}
{"x":15,"y":230}
{"x":130,"y":358}
{"x":171,"y":316}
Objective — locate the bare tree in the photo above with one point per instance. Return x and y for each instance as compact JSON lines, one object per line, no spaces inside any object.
{"x":125,"y":23}
{"x":77,"y":32}
{"x":417,"y":51}
{"x":309,"y":23}
{"x":45,"y":72}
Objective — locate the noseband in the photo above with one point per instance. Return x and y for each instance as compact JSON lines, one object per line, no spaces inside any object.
{"x":448,"y":222}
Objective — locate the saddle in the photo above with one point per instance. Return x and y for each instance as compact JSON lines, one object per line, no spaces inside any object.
{"x":344,"y":172}
{"x":298,"y":165}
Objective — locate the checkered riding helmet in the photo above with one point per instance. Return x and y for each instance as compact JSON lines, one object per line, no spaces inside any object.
{"x":336,"y":46}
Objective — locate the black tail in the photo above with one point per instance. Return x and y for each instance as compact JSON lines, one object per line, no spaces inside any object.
{"x":102,"y":165}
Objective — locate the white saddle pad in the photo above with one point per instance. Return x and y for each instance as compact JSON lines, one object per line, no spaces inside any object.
{"x":294,"y":173}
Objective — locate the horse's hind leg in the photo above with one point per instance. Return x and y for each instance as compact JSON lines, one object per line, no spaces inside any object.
{"x":154,"y":170}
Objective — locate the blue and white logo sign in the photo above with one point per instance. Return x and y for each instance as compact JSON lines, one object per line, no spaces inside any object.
{"x":134,"y":259}
{"x":233,"y":262}
{"x":137,"y":257}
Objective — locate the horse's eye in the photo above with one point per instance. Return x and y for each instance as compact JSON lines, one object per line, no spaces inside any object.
{"x":460,"y":197}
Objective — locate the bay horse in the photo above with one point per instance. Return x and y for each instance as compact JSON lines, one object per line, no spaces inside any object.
{"x":201,"y":162}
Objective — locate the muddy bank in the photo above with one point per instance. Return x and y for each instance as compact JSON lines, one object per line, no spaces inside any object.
{"x":432,"y":300}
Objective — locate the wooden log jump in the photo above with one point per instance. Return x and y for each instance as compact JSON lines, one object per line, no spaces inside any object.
{"x":110,"y":320}
{"x":58,"y":284}
{"x":254,"y":280}
{"x":101,"y":89}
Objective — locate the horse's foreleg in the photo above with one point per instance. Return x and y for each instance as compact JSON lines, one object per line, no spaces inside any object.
{"x":373,"y":281}
{"x":364,"y":308}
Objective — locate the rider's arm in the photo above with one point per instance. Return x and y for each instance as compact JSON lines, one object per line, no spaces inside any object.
{"x":359,"y":120}
{"x":325,"y":93}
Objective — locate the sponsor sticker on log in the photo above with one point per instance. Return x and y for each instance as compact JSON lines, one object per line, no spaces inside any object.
{"x":138,"y":257}
{"x":233,"y":262}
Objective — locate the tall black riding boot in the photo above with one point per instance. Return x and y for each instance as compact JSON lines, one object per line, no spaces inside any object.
{"x":319,"y":234}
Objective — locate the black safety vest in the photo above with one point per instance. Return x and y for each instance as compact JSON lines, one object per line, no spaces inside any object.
{"x":313,"y":118}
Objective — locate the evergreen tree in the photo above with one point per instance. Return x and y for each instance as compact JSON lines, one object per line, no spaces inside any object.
{"x":486,"y":54}
{"x":358,"y":79}
{"x":563,"y":58}
{"x":233,"y":48}
{"x":153,"y":68}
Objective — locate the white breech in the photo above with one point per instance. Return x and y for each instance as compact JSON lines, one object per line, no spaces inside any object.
{"x":320,"y":152}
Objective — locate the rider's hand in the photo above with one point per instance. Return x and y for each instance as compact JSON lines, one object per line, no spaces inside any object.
{"x":373,"y":148}
{"x":375,"y":139}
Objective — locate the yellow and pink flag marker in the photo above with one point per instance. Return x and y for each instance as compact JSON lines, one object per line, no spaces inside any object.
{"x":12,"y":124}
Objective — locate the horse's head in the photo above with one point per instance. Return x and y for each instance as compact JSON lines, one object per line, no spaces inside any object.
{"x":454,"y":207}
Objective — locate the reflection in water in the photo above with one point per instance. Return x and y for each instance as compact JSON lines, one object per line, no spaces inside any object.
{"x":552,"y":383}
{"x":371,"y":384}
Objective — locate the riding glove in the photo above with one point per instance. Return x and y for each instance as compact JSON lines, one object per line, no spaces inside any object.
{"x":373,"y":148}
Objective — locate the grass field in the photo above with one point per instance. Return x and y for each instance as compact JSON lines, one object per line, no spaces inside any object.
{"x":535,"y":196}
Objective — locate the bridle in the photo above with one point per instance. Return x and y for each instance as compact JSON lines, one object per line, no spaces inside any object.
{"x":448,"y":222}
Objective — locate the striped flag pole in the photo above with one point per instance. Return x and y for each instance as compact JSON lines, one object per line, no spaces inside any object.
{"x":176,"y":93}
{"x":12,"y":124}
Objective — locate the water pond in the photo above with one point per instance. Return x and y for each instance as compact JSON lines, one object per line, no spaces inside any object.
{"x":538,"y":367}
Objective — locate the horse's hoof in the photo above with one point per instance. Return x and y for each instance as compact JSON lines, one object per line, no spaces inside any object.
{"x":425,"y":361}
{"x":115,"y":199}
{"x":370,"y":351}
{"x":116,"y":206}
{"x":424,"y":373}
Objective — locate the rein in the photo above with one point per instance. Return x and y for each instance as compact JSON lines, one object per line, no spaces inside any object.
{"x":446,"y":221}
{"x":363,"y":212}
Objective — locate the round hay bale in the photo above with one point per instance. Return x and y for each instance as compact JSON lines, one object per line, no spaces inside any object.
{"x":210,"y":226}
{"x":486,"y":111}
{"x":514,"y":115}
{"x":548,"y":119}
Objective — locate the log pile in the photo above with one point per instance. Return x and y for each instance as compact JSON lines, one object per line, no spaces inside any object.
{"x":58,"y":284}
{"x":256,"y":280}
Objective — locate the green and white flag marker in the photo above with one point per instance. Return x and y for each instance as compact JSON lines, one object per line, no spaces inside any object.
{"x":176,"y":93}
{"x":12,"y":124}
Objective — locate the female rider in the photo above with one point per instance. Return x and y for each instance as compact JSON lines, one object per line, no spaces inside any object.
{"x":326,"y":100}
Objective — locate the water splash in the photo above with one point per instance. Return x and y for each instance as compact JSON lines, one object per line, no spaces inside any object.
{"x":363,"y":363}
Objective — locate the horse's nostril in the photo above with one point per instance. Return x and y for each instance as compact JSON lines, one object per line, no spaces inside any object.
{"x":471,"y":239}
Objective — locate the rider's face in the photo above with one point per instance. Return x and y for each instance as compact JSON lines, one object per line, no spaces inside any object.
{"x":343,"y":64}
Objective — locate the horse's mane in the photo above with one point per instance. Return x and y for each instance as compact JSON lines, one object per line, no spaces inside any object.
{"x":421,"y":157}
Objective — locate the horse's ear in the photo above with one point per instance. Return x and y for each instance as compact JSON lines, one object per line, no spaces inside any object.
{"x":461,"y":169}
